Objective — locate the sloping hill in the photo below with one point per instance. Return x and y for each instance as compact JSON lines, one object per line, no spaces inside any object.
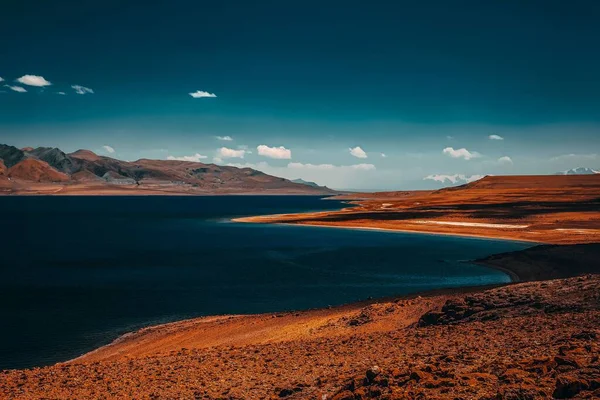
{"x":34,"y":170}
{"x":532,"y":182}
{"x":85,"y":155}
{"x":579,"y":171}
{"x":55,"y":158}
{"x":10,"y":155}
{"x":85,"y":176}
{"x":45,"y":164}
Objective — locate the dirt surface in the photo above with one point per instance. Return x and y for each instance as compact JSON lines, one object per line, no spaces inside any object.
{"x":528,"y":340}
{"x":543,"y":209}
{"x":523,"y":341}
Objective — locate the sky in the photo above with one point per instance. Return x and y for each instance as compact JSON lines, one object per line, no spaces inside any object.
{"x":349,"y":94}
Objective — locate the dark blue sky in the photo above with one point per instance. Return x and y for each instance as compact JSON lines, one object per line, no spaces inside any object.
{"x":317,"y":77}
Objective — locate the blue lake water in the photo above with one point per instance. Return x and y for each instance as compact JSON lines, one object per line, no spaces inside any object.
{"x":77,"y":272}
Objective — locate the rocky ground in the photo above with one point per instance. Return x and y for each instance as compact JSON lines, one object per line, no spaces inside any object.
{"x":533,"y":340}
{"x":542,"y":209}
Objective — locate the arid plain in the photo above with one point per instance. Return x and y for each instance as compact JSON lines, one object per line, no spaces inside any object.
{"x":535,"y":339}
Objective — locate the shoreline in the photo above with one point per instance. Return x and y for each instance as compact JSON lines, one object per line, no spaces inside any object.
{"x":513,"y":275}
{"x":390,"y":230}
{"x":134,"y":335}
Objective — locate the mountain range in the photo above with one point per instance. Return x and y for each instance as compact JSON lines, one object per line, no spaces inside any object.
{"x":21,"y":167}
{"x":579,"y":171}
{"x":453,"y":180}
{"x":460,"y":179}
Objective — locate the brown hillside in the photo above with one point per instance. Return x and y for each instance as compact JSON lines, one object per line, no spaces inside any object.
{"x":544,"y":209}
{"x":534,"y":340}
{"x":532,"y":182}
{"x":85,"y":176}
{"x":37,"y":171}
{"x":85,"y":155}
{"x":144,"y":176}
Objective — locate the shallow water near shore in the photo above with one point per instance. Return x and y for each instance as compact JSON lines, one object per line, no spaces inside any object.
{"x":77,"y":272}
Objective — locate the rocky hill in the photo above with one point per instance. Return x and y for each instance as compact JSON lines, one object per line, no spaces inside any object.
{"x":31,"y":169}
{"x":10,"y":155}
{"x":45,"y":164}
{"x":534,"y":340}
{"x":579,"y":171}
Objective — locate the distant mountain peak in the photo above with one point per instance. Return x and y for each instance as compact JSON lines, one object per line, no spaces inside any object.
{"x":85,"y":155}
{"x":308,"y":183}
{"x":452,"y":180}
{"x":46,"y":164}
{"x":579,"y":171}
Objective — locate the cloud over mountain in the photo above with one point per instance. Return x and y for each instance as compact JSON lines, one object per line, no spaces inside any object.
{"x":274,"y":152}
{"x":461,"y":153}
{"x":453,"y":179}
{"x":195,"y":158}
{"x":225,"y":152}
{"x":360,"y":167}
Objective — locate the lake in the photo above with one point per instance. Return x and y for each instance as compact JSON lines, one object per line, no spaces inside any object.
{"x":77,"y":272}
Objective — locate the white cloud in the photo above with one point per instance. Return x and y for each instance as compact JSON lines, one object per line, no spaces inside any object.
{"x":280,"y":152}
{"x":310,"y":166}
{"x":82,"y":89}
{"x":573,"y":156}
{"x":217,"y":160}
{"x":362,"y":167}
{"x":194,"y":158}
{"x":19,"y":89}
{"x":358,"y":152}
{"x":109,"y":149}
{"x":505,"y":160}
{"x":450,"y":137}
{"x":456,"y":178}
{"x":200,"y":93}
{"x":326,"y":174}
{"x":1,"y":79}
{"x":224,"y":152}
{"x":61,"y":93}
{"x":495,"y":137}
{"x":33,"y":80}
{"x":383,"y":155}
{"x":461,"y":153}
{"x":224,"y":138}
{"x":258,"y":166}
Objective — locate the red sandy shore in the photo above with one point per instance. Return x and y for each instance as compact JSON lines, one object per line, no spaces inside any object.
{"x":541,"y":209}
{"x":537,"y":339}
{"x":523,"y":341}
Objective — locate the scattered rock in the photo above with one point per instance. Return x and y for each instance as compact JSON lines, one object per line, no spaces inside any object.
{"x":569,"y":386}
{"x":373,"y":372}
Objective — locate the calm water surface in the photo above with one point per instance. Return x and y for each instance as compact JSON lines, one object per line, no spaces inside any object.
{"x":77,"y":272}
